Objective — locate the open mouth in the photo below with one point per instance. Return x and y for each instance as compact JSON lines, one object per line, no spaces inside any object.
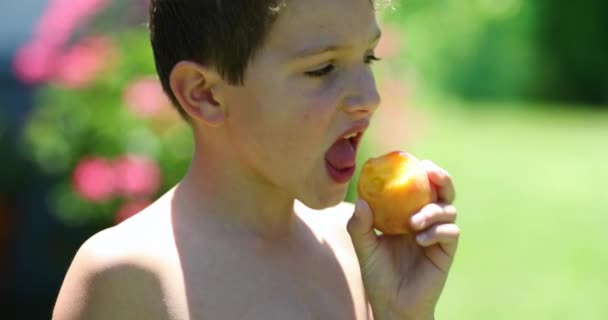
{"x":341,"y":156}
{"x":354,"y":139}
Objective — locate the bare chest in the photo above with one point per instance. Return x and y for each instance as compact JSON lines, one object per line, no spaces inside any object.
{"x":241,"y":284}
{"x":277,"y":297}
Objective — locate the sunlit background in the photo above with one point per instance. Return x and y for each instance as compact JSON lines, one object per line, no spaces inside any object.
{"x":510,"y":96}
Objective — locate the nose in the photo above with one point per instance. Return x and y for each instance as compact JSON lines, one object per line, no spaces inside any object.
{"x":363,"y":98}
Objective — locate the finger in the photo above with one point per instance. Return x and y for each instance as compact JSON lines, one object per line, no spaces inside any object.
{"x":442,"y":180}
{"x":361,"y":230}
{"x":433,"y":214}
{"x":439,"y":258}
{"x":446,"y":235}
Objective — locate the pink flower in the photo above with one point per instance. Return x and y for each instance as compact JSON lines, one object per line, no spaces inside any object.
{"x":55,"y":27}
{"x":137,"y":176}
{"x":130,"y":209}
{"x":85,"y":7}
{"x":61,"y":17}
{"x":145,"y":97}
{"x":94,"y":179}
{"x":83,"y":61}
{"x":34,"y":62}
{"x":134,"y":176}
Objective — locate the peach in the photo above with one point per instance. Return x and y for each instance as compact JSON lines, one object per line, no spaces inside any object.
{"x":395,"y":186}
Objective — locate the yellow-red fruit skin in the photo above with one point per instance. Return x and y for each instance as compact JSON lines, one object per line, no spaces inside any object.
{"x":395,"y":186}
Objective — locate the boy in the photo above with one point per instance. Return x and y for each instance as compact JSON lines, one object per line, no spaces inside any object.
{"x":278,"y":95}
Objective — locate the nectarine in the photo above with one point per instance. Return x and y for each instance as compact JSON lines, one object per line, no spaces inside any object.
{"x":395,"y":186}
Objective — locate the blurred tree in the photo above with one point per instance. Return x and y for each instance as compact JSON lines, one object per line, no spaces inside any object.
{"x":476,"y":49}
{"x":509,"y":49}
{"x":573,"y":39}
{"x":499,"y":63}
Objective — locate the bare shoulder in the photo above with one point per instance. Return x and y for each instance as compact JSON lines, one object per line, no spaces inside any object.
{"x":114,"y":276}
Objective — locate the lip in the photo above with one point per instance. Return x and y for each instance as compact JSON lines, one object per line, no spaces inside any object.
{"x":340,"y":176}
{"x":358,"y":128}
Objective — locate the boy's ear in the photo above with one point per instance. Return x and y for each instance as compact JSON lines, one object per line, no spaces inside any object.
{"x":196,"y":88}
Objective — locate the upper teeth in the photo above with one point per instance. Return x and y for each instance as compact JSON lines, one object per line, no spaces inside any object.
{"x":352,"y":135}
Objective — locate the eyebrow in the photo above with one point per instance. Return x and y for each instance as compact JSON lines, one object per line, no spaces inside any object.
{"x":308,"y":52}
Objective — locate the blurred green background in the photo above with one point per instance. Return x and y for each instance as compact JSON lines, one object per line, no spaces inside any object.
{"x":511,"y":97}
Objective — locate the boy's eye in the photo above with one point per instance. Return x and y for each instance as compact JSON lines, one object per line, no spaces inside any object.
{"x":371,"y":58}
{"x":321,"y":72}
{"x":327,"y":69}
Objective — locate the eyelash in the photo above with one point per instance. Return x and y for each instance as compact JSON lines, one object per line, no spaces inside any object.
{"x":330,"y":67}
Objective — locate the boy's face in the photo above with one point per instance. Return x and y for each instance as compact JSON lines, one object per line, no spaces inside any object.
{"x":298,"y":98}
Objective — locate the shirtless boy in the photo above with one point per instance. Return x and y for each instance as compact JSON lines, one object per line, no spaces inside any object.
{"x":257,"y":228}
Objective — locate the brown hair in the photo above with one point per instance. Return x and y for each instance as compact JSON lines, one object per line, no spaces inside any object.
{"x":225,"y":34}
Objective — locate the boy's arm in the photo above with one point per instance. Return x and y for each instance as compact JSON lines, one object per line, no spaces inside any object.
{"x":102,"y":284}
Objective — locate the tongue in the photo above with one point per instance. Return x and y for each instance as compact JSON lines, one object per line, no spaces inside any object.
{"x":341,"y":155}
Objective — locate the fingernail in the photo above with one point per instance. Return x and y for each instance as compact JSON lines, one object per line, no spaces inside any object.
{"x":421,"y":238}
{"x":358,"y":205}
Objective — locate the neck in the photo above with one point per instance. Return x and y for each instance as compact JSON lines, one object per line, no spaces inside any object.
{"x":218,"y":187}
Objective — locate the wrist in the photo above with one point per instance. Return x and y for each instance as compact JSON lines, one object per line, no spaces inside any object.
{"x":384,"y":308}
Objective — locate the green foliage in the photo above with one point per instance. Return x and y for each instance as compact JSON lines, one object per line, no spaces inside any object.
{"x":573,"y":39}
{"x":71,"y":124}
{"x":508,"y":50}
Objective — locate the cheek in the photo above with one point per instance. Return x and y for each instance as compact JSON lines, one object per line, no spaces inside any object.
{"x":322,"y":103}
{"x":289,"y":122}
{"x":316,"y":112}
{"x":246,"y":121}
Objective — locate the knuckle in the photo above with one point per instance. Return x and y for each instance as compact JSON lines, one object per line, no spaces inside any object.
{"x":448,"y":230}
{"x":432,"y":209}
{"x":435,"y":230}
{"x":450,"y":210}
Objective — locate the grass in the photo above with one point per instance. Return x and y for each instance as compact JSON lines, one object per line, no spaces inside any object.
{"x":532,"y":199}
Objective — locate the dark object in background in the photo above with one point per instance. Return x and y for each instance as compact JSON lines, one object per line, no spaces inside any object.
{"x":35,"y":248}
{"x":573,"y":39}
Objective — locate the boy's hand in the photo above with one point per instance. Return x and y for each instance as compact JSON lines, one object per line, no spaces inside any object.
{"x":404,"y":275}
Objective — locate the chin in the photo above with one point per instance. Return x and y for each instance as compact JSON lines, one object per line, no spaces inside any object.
{"x":323,"y":201}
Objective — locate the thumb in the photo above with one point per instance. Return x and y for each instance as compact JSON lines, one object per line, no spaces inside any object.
{"x":361,"y":230}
